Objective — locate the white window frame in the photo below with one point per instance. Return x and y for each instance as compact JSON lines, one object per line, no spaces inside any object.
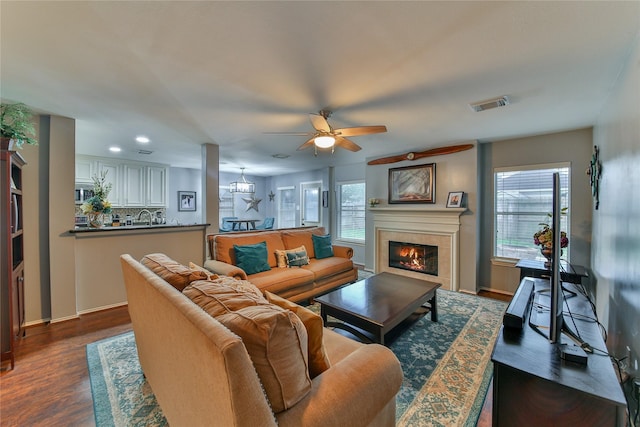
{"x":283,"y":214}
{"x":566,"y":220}
{"x":339,"y":235}
{"x":222,"y":212}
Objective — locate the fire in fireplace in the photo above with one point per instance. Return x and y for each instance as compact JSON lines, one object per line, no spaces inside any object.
{"x":414,"y":257}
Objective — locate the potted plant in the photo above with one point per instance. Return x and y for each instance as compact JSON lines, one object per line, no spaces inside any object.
{"x":16,"y":126}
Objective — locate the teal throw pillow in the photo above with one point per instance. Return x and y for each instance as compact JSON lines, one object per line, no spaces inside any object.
{"x":252,"y":258}
{"x":297,"y":259}
{"x":322,"y":246}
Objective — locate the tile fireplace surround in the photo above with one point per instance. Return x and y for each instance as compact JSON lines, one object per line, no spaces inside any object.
{"x":428,"y":225}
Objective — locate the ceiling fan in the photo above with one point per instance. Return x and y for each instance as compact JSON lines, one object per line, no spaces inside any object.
{"x":326,"y":136}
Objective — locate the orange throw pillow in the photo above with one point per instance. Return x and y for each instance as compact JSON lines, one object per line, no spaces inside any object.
{"x":318,"y":360}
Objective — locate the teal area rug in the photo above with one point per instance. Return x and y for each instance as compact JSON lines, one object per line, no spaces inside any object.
{"x":447,"y":369}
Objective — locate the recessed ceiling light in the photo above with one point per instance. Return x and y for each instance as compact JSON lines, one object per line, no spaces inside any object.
{"x":115,"y":149}
{"x":280,"y":156}
{"x":142,"y":139}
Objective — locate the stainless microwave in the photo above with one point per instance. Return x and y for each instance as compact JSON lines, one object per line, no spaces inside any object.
{"x":82,"y":194}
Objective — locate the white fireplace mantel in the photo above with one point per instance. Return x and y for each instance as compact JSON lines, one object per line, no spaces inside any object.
{"x":420,"y":224}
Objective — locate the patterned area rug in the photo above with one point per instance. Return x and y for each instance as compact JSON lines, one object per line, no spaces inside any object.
{"x":447,"y":369}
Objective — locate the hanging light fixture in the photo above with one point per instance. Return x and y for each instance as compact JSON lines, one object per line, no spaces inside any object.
{"x":324,"y":141}
{"x":242,"y":185}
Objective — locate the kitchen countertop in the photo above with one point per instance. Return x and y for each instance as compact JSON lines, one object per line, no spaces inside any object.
{"x":157,"y":227}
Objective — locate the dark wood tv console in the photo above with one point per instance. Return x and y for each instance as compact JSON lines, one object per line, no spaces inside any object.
{"x":533,"y":386}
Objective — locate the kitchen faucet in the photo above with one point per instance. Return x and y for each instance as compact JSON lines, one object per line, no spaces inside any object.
{"x":147,"y":212}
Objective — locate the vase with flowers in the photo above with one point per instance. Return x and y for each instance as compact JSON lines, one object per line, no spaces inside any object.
{"x":97,"y":206}
{"x":544,"y":238}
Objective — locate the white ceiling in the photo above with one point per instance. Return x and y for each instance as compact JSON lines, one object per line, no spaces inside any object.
{"x":188,"y":73}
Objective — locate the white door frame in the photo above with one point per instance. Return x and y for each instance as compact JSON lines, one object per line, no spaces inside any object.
{"x":310,"y":198}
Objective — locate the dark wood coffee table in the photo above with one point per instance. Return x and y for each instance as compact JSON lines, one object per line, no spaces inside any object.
{"x":377,"y":304}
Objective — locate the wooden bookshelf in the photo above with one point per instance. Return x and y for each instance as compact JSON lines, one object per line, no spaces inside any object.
{"x":12,"y":314}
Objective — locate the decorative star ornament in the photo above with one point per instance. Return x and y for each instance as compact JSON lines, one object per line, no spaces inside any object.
{"x":271,"y":196}
{"x":252,"y":203}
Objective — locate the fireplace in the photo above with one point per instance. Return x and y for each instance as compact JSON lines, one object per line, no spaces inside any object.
{"x":414,"y":257}
{"x":430,"y":226}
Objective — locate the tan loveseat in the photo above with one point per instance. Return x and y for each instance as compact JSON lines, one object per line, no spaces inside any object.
{"x":295,"y":283}
{"x":202,"y":374}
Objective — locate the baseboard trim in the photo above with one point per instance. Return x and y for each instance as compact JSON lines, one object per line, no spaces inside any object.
{"x":38,"y":322}
{"x":104,"y":307}
{"x":496,"y":291}
{"x":64,"y":319}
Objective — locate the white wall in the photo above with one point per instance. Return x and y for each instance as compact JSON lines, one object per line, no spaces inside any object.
{"x":265,"y":206}
{"x":615,"y":257}
{"x":294,"y":179}
{"x":60,"y":215}
{"x":572,"y":146}
{"x":454,"y":172}
{"x":183,"y":179}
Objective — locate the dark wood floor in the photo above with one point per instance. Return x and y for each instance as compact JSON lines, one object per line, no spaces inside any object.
{"x":50,"y":383}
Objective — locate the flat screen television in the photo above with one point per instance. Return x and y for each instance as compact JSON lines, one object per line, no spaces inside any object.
{"x":556,"y":322}
{"x":557,"y":325}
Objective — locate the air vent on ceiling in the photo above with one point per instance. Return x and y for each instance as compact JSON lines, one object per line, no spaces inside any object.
{"x":489,"y":104}
{"x":144,"y":152}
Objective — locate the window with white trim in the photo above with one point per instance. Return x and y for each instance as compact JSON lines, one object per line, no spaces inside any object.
{"x":351,"y":211}
{"x":286,"y":207}
{"x":523,"y":200}
{"x":226,"y":207}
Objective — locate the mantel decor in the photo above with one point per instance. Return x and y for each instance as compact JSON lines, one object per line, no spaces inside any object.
{"x":454,"y":200}
{"x":413,"y":184}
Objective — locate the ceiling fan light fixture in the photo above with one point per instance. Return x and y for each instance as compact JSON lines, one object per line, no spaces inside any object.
{"x":242,"y":185}
{"x":324,"y":141}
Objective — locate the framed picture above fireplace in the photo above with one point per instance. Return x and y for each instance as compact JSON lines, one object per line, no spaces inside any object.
{"x":413,"y":184}
{"x":455,"y":199}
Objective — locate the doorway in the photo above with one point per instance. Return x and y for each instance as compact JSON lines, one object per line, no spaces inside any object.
{"x":310,"y":212}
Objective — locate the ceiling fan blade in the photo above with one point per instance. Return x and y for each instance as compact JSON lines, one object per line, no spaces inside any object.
{"x":360,"y":130}
{"x":347,"y":144}
{"x":289,"y":133}
{"x":319,"y":123}
{"x":307,"y":144}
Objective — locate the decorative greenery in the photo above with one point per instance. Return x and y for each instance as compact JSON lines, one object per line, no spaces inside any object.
{"x":544,"y":236}
{"x":16,"y":124}
{"x":373,"y":202}
{"x":98,"y":203}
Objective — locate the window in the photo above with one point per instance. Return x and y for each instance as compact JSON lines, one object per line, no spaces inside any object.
{"x":286,"y":207}
{"x":523,"y":200}
{"x":351,"y":210}
{"x":226,"y":207}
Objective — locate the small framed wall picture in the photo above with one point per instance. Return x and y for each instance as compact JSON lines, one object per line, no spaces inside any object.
{"x":186,"y":200}
{"x":455,"y":199}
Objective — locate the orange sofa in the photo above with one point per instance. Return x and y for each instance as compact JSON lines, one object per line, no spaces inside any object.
{"x":294,"y":283}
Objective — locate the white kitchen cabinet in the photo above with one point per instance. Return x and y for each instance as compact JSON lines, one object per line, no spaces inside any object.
{"x":134,"y":185}
{"x":156,"y":186}
{"x":85,"y":169}
{"x":113,"y":178}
